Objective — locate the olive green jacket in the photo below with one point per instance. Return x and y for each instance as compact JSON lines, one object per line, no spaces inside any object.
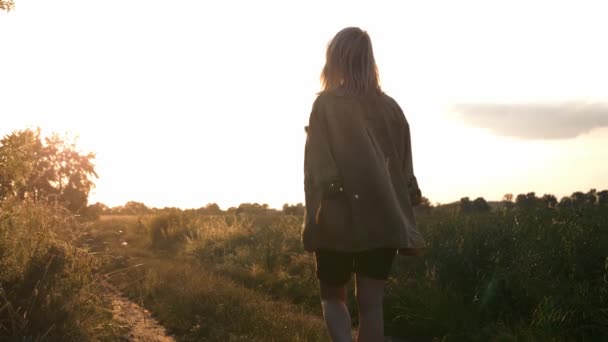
{"x":358,"y":176}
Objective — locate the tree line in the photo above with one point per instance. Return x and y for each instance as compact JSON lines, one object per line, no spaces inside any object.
{"x":529,"y":201}
{"x":54,"y":170}
{"x":139,"y":208}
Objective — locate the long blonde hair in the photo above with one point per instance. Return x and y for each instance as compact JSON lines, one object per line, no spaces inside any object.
{"x":350,"y":65}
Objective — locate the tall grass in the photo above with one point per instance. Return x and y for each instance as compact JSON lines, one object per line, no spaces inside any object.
{"x":194,"y":301}
{"x":198,"y":305}
{"x":48,"y":288}
{"x":533,"y":274}
{"x":262,"y":253}
{"x":520,"y":275}
{"x":506,"y":275}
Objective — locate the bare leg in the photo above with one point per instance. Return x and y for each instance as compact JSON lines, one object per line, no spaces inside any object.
{"x":335,"y":313}
{"x":370,"y":293}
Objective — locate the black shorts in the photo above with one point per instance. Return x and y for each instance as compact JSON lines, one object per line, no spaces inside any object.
{"x":335,"y":268}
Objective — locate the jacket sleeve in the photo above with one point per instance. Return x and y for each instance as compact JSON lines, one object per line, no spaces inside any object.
{"x":320,"y":170}
{"x":408,"y":166}
{"x":319,"y":173}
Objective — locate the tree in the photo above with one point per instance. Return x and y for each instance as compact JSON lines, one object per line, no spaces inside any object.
{"x":425,"y":203}
{"x":7,"y":5}
{"x":210,"y":209}
{"x":526,"y":202}
{"x":481,"y":205}
{"x":296,"y":210}
{"x":252,"y":208}
{"x":23,"y":168}
{"x":565,"y":203}
{"x":578,"y":198}
{"x":507,"y":201}
{"x":592,"y":196}
{"x":478,"y":205}
{"x":135,"y":208}
{"x":213,"y":209}
{"x":71,"y":172}
{"x":52,"y":170}
{"x":93,"y":211}
{"x":602,"y":198}
{"x":549,"y":201}
{"x":465,"y":205}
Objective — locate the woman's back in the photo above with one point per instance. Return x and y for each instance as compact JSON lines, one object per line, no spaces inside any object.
{"x":362,"y":141}
{"x":375,"y":119}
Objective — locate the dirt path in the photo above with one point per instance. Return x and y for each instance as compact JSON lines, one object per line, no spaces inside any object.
{"x":141,"y":326}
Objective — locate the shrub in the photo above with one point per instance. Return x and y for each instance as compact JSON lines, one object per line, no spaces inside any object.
{"x":48,"y":288}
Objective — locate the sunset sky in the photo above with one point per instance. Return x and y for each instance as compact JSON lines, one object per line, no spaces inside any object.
{"x":191,"y":102}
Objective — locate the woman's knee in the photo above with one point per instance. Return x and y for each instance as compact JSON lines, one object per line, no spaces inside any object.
{"x":369,"y":294}
{"x":329,"y":292}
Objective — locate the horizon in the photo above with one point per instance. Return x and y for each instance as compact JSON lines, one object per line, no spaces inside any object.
{"x":194,"y":103}
{"x":434,"y":204}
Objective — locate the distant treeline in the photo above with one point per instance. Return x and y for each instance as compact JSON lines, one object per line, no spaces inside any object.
{"x":509,"y":202}
{"x":530,"y":201}
{"x":138,"y":208}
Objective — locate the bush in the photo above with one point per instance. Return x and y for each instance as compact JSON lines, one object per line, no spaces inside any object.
{"x":48,"y":289}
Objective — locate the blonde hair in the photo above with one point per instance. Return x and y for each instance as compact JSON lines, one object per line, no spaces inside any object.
{"x":350,"y":65}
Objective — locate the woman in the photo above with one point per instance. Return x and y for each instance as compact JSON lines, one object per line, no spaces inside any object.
{"x":359,"y":184}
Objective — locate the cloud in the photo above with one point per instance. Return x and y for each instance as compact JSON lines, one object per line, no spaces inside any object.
{"x":536,"y":120}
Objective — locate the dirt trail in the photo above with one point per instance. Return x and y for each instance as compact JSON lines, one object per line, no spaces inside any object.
{"x":141,"y":326}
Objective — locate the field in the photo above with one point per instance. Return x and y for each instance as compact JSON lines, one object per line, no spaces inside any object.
{"x":530,"y":273}
{"x":523,"y":271}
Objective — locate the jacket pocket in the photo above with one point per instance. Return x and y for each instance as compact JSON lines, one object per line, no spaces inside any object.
{"x":335,"y":220}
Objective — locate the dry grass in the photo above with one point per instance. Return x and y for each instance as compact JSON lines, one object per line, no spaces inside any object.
{"x":193,"y":301}
{"x":537,"y":274}
{"x":128,"y":218}
{"x":197,"y":305}
{"x":48,"y":287}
